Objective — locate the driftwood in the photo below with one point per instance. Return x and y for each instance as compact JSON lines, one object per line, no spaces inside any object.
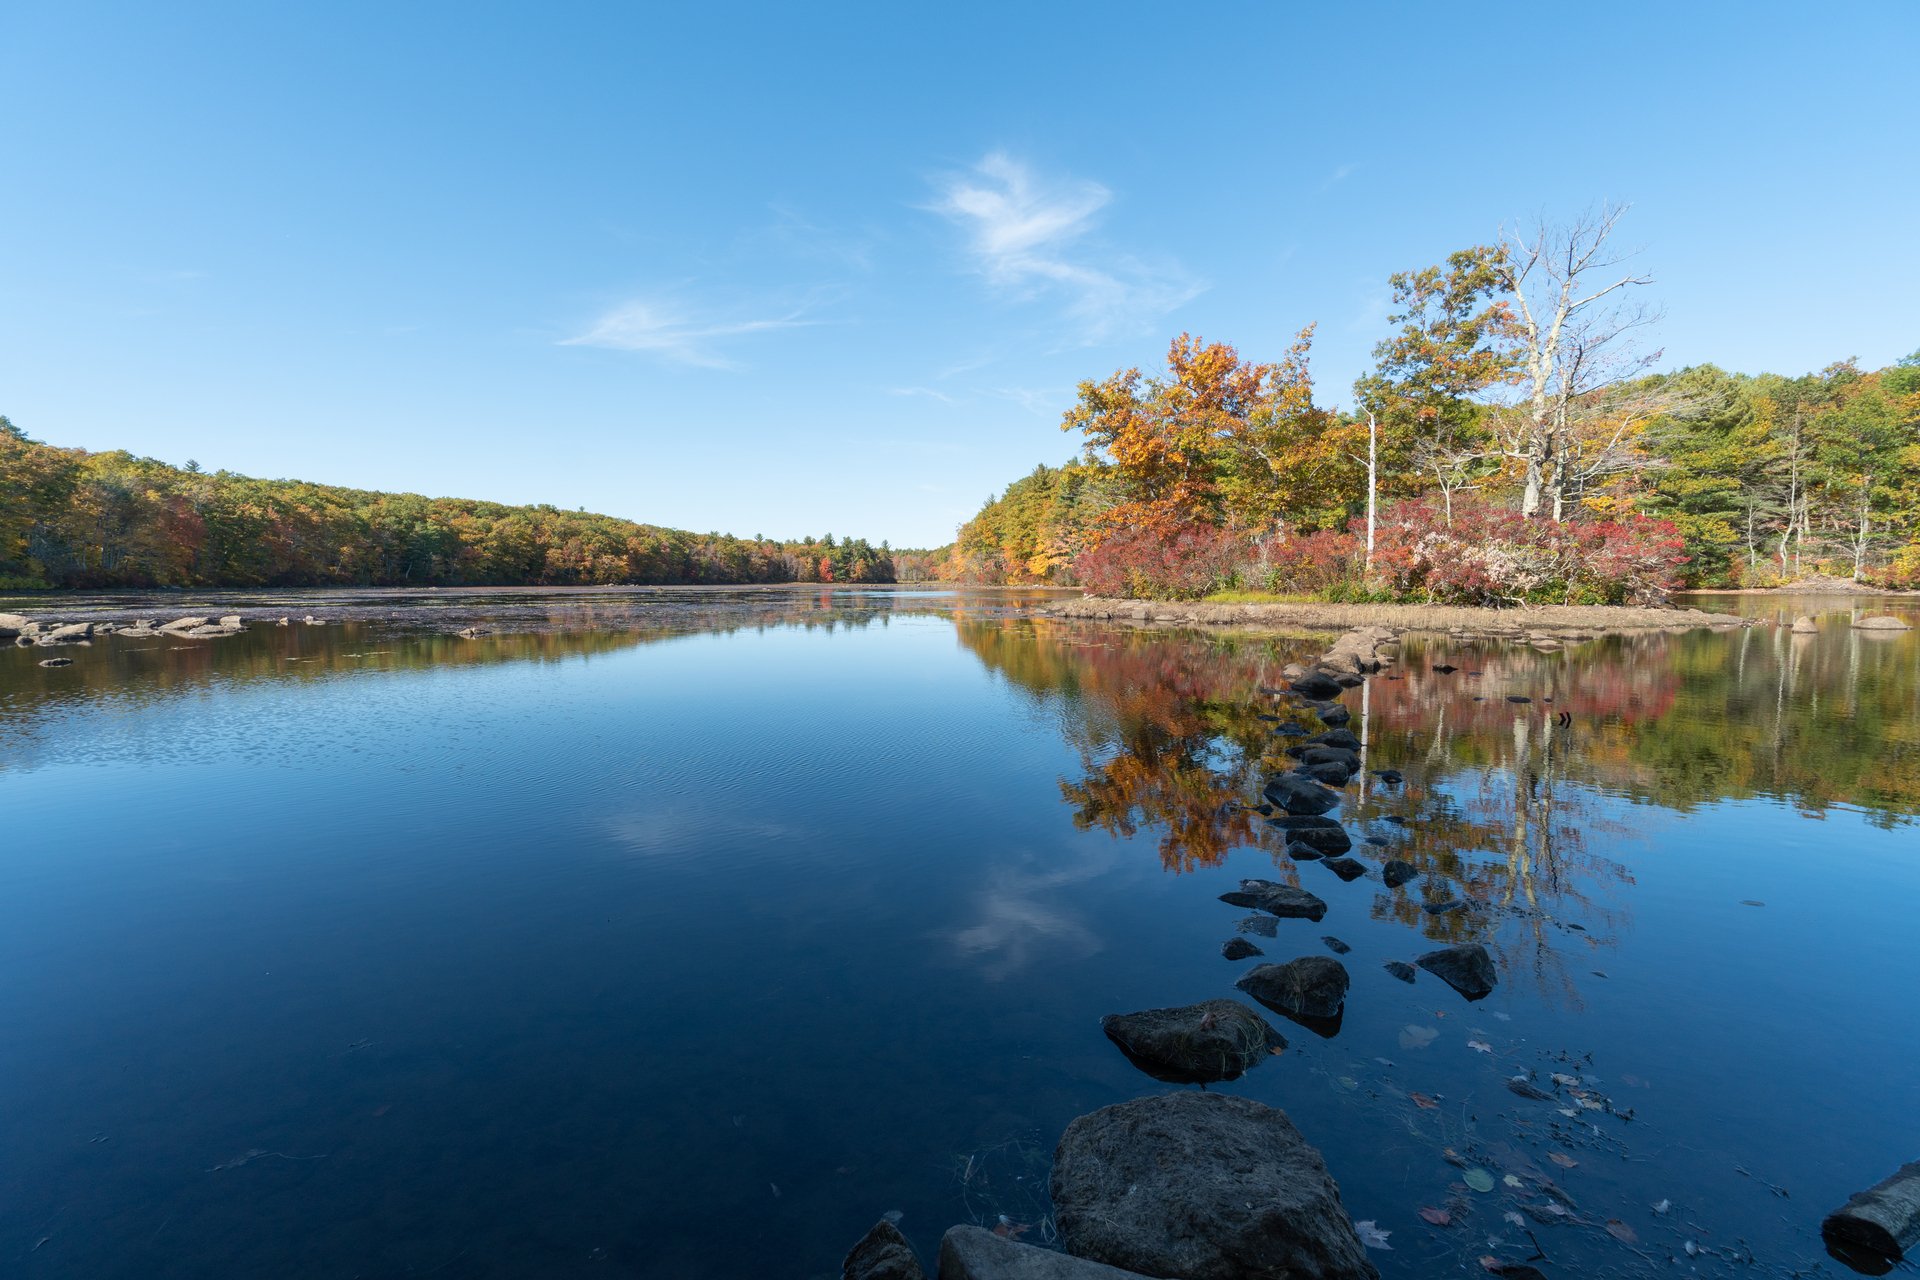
{"x":1874,"y":1229}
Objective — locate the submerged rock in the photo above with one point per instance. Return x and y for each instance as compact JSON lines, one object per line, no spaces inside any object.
{"x":1194,"y":1044}
{"x":1400,"y":969}
{"x":974,"y":1253}
{"x":1389,"y":776}
{"x":1875,"y":1228}
{"x":1276,"y":899}
{"x":1239,"y":949}
{"x":1447,"y":907}
{"x":1262,"y":926}
{"x":1301,"y":851}
{"x":1336,"y":946}
{"x":882,"y":1254}
{"x":1301,"y":797}
{"x":1346,"y":868}
{"x":1398,"y":871}
{"x":1310,"y":987}
{"x":1162,"y":1186}
{"x":1466,"y":968}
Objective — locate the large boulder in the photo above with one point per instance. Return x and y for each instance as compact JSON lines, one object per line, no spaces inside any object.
{"x":1324,"y":834}
{"x":1202,"y":1186}
{"x":14,"y":623}
{"x":974,"y":1253}
{"x":882,"y":1254}
{"x":1360,"y":650}
{"x":1310,"y":987}
{"x":1466,"y":968}
{"x":69,"y":634}
{"x":1276,"y":899}
{"x":1301,"y":797}
{"x":1882,"y":622}
{"x":1196,"y":1043}
{"x":1330,"y":773}
{"x":1350,"y":760}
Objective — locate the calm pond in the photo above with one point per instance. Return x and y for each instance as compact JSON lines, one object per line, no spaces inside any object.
{"x":684,"y":934}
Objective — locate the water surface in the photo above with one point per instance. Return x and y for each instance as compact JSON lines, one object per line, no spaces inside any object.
{"x":684,"y":937}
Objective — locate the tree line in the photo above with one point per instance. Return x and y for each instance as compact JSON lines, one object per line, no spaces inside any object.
{"x":1512,"y":440}
{"x":70,"y":518}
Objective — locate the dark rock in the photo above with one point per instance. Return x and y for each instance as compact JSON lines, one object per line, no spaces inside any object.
{"x":1345,"y":868}
{"x":1336,"y":946}
{"x":1879,"y":1225}
{"x":1317,"y":685}
{"x":1444,"y":669}
{"x":1389,"y":776}
{"x":1451,"y":906}
{"x":1466,"y":968}
{"x":1375,"y":841}
{"x":1310,"y":987}
{"x":1398,"y":871}
{"x":1196,"y":1043}
{"x":1348,"y":681}
{"x":1291,"y":729}
{"x":1348,"y":760}
{"x":975,"y":1253}
{"x":1270,"y":719}
{"x":1400,"y":969}
{"x":1264,"y":926}
{"x":1239,"y":949}
{"x":1518,"y":697}
{"x":56,"y":662}
{"x":1395,"y":819}
{"x":1329,"y":773}
{"x":1515,"y":1271}
{"x":1331,"y":714}
{"x":882,"y":1254}
{"x":1323,"y":834}
{"x":1276,"y":899}
{"x":1341,"y":738}
{"x":1162,"y":1186}
{"x":1301,"y":797}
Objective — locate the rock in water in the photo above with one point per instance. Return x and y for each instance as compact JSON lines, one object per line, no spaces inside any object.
{"x":1310,"y":987}
{"x":1330,"y":773}
{"x":1466,"y":968}
{"x":68,"y":634}
{"x":882,"y":1254}
{"x":974,"y":1253}
{"x":1331,"y":714}
{"x":1301,"y":851}
{"x":1276,"y":899}
{"x":1349,"y":760}
{"x":1322,"y":833}
{"x":1341,"y":738}
{"x":1301,"y":797}
{"x":1346,"y":868}
{"x":1334,"y":945}
{"x":1804,"y":625}
{"x":1398,"y":871}
{"x":1164,"y":1186}
{"x":1881,"y":622}
{"x":56,"y":662}
{"x":1265,"y":926}
{"x":1874,"y":1229}
{"x":1239,"y":949}
{"x":1196,"y":1043}
{"x":1400,"y":969}
{"x":1317,"y":685}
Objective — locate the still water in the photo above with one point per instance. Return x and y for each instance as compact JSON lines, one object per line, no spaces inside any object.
{"x":686,"y":936}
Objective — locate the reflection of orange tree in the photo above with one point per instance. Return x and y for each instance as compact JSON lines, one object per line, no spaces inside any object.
{"x":1167,"y":728}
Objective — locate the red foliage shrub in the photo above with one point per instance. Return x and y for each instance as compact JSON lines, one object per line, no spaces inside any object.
{"x":1494,"y":556}
{"x":1183,"y":564}
{"x":1312,"y":564}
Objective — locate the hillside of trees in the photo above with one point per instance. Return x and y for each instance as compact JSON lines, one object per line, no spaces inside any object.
{"x":70,"y":518}
{"x":1512,"y":441}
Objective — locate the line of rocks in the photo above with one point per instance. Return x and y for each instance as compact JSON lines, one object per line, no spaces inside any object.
{"x":25,"y":631}
{"x":1205,"y":1186}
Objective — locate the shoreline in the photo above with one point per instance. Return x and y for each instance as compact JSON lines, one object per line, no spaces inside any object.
{"x":1583,"y":619}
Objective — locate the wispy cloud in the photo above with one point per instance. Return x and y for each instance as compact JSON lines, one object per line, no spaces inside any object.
{"x":928,"y":393}
{"x":1029,"y":236}
{"x":673,"y":333}
{"x":1335,"y":178}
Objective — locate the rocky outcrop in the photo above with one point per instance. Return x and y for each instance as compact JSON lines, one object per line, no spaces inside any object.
{"x":1276,"y":899}
{"x":1466,"y":968}
{"x":974,"y":1253}
{"x":1362,"y":650}
{"x":1310,"y":987}
{"x":1202,"y":1186}
{"x":882,"y":1254}
{"x":1194,"y":1044}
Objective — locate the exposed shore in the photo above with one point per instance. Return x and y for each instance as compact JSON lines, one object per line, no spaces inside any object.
{"x":1316,"y":616}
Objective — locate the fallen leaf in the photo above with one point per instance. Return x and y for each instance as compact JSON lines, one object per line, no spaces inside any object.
{"x":1438,"y":1217}
{"x":1663,"y":1208}
{"x":1416,"y":1037}
{"x":1372,"y":1236}
{"x":1512,"y":1181}
{"x":1621,"y":1231}
{"x":1479,"y":1046}
{"x":1565,"y":1162}
{"x":1561,"y":1077}
{"x":1424,"y":1102}
{"x":1514,"y":1218}
{"x":1478,"y":1179}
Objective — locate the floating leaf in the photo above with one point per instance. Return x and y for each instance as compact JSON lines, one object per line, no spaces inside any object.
{"x":1438,"y":1217}
{"x":1514,"y":1218}
{"x":1564,"y":1161}
{"x":1348,"y":1082}
{"x":1512,"y":1181}
{"x":1504,"y":1017}
{"x":1372,"y":1236}
{"x":1424,"y":1102}
{"x":1553,"y":1207}
{"x":1663,"y":1208}
{"x":1478,"y":1179}
{"x":1479,"y":1046}
{"x":1561,"y":1077}
{"x":1416,"y":1037}
{"x":1621,"y":1231}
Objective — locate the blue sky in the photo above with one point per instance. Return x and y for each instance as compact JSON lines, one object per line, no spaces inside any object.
{"x":807,"y":268}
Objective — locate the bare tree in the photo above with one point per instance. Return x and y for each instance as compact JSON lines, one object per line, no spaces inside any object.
{"x":1555,"y":277}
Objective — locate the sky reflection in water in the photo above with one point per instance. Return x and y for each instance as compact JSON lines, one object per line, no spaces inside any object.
{"x":689,"y":948}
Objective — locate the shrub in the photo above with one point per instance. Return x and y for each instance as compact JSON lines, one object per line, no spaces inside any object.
{"x":1189,"y":561}
{"x":1314,"y":564}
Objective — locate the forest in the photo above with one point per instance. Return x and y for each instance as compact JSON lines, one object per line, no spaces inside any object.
{"x":1513,"y":441}
{"x":70,"y":518}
